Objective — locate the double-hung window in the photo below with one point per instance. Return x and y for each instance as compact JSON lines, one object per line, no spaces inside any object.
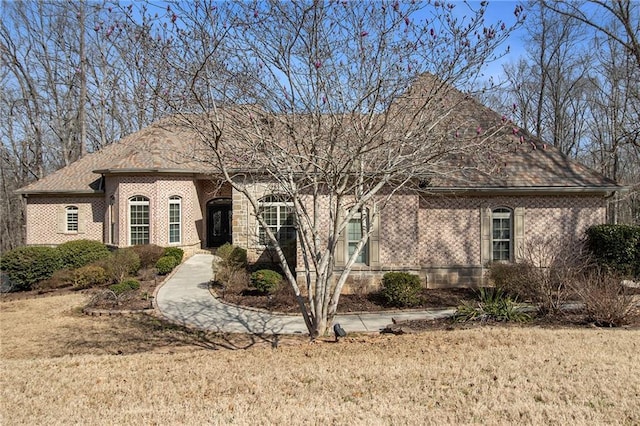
{"x":138,"y":220}
{"x":501,"y":234}
{"x":71,"y":219}
{"x":356,"y":228}
{"x":175,"y":219}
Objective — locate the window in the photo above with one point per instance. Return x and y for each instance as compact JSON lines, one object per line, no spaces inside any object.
{"x":138,"y":220}
{"x":277,"y":211}
{"x":175,"y":219}
{"x":356,"y":228}
{"x":501,"y":234}
{"x":112,"y":220}
{"x":71,"y":219}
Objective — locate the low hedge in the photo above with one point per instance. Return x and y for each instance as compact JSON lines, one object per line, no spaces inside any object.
{"x":78,"y":253}
{"x":26,"y":266}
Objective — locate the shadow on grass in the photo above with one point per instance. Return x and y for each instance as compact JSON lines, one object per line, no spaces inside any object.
{"x":140,"y":333}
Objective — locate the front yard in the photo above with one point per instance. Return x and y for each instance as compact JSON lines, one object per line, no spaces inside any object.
{"x":59,"y":366}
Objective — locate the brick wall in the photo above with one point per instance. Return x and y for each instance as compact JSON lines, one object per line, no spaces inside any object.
{"x":157,"y":189}
{"x":44,"y":215}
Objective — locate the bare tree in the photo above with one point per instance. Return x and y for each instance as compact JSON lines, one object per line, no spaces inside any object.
{"x":600,"y":14}
{"x":333,"y":108}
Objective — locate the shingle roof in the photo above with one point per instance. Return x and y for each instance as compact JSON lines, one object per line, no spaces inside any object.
{"x":168,"y":146}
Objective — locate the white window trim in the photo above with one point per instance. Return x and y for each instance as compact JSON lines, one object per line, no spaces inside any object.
{"x":144,"y":202}
{"x":71,"y":210}
{"x":175,"y":200}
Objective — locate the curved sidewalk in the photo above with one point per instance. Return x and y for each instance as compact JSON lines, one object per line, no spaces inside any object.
{"x":185,"y":299}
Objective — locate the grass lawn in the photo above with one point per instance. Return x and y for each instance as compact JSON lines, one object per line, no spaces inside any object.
{"x":61,"y":367}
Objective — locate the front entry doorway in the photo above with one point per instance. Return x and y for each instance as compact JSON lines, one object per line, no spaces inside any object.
{"x":219,"y":215}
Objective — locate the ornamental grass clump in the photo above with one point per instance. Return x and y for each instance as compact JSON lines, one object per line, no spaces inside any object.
{"x":492,"y":304}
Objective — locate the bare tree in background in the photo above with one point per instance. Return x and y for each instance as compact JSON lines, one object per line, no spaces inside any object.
{"x":69,"y":87}
{"x":333,"y":108}
{"x":577,"y":87}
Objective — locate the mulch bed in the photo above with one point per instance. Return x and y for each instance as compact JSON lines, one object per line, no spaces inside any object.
{"x":284,"y":299}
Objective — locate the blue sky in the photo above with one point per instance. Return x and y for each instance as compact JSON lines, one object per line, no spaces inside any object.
{"x":503,"y":11}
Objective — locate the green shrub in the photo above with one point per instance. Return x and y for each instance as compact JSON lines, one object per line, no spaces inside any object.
{"x":165,"y":264}
{"x":492,"y":304}
{"x":78,"y":253}
{"x":224,"y":251}
{"x":89,"y":276}
{"x":122,"y":263}
{"x":124,"y":286}
{"x":266,"y":281}
{"x":175,"y":252}
{"x":26,"y":266}
{"x":401,"y":289}
{"x":148,"y":254}
{"x":233,"y":256}
{"x":616,"y":247}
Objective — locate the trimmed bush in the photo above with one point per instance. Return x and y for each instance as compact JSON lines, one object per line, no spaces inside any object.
{"x":78,"y":253}
{"x":224,"y":251}
{"x":148,"y":254}
{"x":124,"y":286}
{"x":26,"y":266}
{"x":175,"y":252}
{"x":401,"y":289}
{"x":165,"y":264}
{"x":89,"y":276}
{"x":616,"y":247}
{"x":266,"y":281}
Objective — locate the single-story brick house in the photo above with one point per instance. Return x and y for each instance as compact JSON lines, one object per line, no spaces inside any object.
{"x":149,"y":188}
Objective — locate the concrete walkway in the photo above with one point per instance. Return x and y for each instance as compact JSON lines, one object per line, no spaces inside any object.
{"x":185,"y":299}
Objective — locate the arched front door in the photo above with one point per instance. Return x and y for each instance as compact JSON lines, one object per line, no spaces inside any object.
{"x":219,"y":214}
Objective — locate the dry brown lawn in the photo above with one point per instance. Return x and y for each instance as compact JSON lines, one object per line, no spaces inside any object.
{"x":61,"y":367}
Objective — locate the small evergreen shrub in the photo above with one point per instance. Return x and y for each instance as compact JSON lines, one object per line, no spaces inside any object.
{"x":175,"y":252}
{"x":165,"y":264}
{"x":89,"y":276}
{"x":148,"y":254}
{"x":124,"y":286}
{"x":78,"y":253}
{"x":266,"y":281}
{"x":26,"y":266}
{"x":401,"y":289}
{"x":616,"y":247}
